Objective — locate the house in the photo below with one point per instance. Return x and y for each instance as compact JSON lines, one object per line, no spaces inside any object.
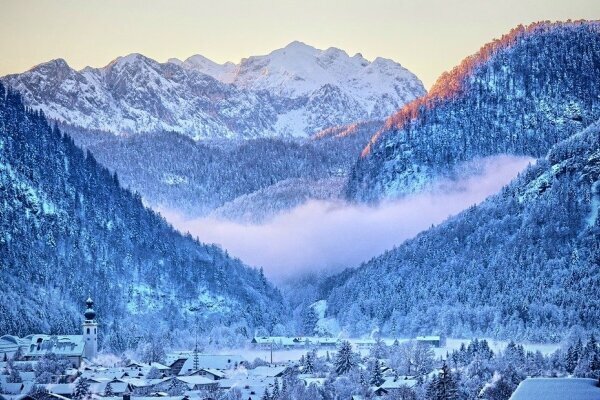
{"x":279,"y":342}
{"x":21,"y":388}
{"x":328,"y":342}
{"x":557,"y":389}
{"x":71,"y":347}
{"x":196,"y":382}
{"x":268,"y":371}
{"x":195,"y":362}
{"x":75,"y":348}
{"x":61,"y":389}
{"x":363,"y":343}
{"x":9,"y":345}
{"x":250,"y":387}
{"x":210,"y":373}
{"x":434,"y":341}
{"x":391,"y":385}
{"x":118,"y":387}
{"x":162,"y":368}
{"x":285,"y":342}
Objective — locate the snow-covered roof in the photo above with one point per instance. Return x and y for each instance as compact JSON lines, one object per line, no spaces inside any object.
{"x":16,"y":388}
{"x":294,"y":340}
{"x":159,"y":366}
{"x":212,"y":371}
{"x":137,"y":382}
{"x":267,"y":371}
{"x":61,"y":388}
{"x":428,"y":338}
{"x":61,"y":345}
{"x":10,"y":343}
{"x":117,"y":387}
{"x":214,"y":361}
{"x":317,"y":381}
{"x":557,"y":389}
{"x":195,"y":380}
{"x":389,"y":384}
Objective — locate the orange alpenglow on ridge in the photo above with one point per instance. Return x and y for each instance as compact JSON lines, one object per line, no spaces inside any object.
{"x":339,"y":131}
{"x":450,"y":84}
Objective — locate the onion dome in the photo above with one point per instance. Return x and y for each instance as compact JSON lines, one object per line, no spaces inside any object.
{"x":89,"y":314}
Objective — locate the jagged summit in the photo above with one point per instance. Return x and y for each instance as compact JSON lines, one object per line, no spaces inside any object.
{"x":293,"y":91}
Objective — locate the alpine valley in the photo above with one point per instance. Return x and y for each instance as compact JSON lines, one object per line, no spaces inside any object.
{"x":89,"y":158}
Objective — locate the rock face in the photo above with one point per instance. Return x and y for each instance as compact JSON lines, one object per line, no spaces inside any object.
{"x":294,"y":91}
{"x":519,"y":95}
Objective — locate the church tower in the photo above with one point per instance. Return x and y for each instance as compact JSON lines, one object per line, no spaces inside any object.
{"x":90,"y":331}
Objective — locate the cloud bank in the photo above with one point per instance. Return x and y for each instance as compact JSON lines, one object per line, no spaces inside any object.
{"x":332,"y":235}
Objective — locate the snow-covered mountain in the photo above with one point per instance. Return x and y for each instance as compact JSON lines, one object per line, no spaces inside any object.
{"x":300,"y":70}
{"x":294,"y":91}
{"x":68,"y":229}
{"x":137,"y":94}
{"x":522,"y":264}
{"x":520,"y":95}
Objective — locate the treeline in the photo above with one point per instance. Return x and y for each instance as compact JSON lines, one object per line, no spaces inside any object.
{"x":523,"y":264}
{"x":68,"y":230}
{"x":520,"y":96}
{"x":173,"y":171}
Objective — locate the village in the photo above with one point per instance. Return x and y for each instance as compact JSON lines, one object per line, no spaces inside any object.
{"x":64,"y":367}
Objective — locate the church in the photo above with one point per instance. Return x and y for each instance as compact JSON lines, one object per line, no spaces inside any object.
{"x":75,"y":348}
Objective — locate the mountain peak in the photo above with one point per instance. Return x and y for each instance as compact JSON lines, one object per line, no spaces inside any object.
{"x":130,"y":59}
{"x":298,"y":45}
{"x":156,"y":96}
{"x":56,"y":64}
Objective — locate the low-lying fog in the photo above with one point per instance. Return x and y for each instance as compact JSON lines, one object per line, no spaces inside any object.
{"x":332,"y":235}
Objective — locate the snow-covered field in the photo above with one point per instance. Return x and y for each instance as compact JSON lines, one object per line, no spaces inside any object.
{"x":279,"y":356}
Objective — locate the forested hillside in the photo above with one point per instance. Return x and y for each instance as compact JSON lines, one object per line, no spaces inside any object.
{"x":524,"y":264}
{"x":68,"y":230}
{"x":172,"y":171}
{"x":520,"y":95}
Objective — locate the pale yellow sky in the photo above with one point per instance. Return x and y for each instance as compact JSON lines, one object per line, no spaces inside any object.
{"x":427,"y":37}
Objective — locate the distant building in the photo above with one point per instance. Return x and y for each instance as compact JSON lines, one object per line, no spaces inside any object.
{"x":435,"y":341}
{"x":363,"y":343}
{"x":9,"y":345}
{"x":187,"y":363}
{"x":290,"y":342}
{"x":70,"y":347}
{"x":557,"y":389}
{"x":73,"y":347}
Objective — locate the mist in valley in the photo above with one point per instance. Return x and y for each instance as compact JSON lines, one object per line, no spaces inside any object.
{"x":328,"y":236}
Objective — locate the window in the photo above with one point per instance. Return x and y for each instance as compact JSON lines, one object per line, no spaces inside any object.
{"x":88,"y":331}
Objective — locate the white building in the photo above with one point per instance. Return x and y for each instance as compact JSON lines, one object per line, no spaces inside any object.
{"x":73,"y":347}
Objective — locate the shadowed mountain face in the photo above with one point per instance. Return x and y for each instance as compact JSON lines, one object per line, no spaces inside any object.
{"x":294,"y":91}
{"x":519,"y":95}
{"x":521,"y":265}
{"x":69,"y":230}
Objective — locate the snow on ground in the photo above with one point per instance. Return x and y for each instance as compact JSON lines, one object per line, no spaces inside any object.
{"x":280,"y":355}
